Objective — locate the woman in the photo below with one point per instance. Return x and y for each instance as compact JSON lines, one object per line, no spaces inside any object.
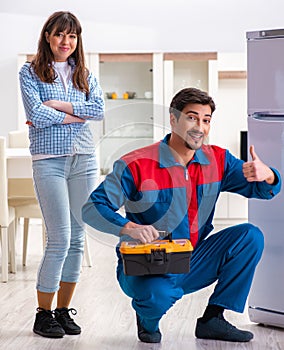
{"x":60,"y":96}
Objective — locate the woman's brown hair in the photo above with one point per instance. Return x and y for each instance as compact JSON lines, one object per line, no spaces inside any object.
{"x":42,"y":63}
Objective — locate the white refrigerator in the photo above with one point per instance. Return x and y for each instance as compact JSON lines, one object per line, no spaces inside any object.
{"x":265,"y":79}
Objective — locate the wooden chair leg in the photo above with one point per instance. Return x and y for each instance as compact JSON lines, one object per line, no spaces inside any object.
{"x":17,"y":225}
{"x":4,"y":244}
{"x":25,"y":240}
{"x":12,"y":247}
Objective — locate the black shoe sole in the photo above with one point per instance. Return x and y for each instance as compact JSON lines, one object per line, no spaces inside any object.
{"x":49,"y":335}
{"x":73,"y":332}
{"x":148,"y":340}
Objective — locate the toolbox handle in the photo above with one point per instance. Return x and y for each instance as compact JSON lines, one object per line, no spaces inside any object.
{"x":166,"y":234}
{"x":157,"y":257}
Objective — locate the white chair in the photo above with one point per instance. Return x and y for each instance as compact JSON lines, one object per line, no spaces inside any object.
{"x":21,"y":194}
{"x":7,"y":217}
{"x":23,"y":188}
{"x":25,"y":207}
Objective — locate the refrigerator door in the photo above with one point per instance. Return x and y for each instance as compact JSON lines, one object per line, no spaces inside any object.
{"x":266,"y":299}
{"x":265,"y":70}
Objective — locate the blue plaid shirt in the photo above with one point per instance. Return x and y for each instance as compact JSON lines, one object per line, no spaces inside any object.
{"x":47,"y":134}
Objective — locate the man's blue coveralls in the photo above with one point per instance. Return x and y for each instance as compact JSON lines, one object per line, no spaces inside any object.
{"x":157,"y":190}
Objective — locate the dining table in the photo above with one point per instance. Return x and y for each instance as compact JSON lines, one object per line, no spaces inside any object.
{"x":19,"y":163}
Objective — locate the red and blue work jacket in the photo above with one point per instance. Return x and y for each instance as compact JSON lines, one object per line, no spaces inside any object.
{"x":155,"y":189}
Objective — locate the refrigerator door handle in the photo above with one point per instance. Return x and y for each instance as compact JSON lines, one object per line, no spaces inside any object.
{"x":268,"y":118}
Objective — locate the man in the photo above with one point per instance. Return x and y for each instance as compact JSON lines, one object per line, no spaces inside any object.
{"x":173,"y":185}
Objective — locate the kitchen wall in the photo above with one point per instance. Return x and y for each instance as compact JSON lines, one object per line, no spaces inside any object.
{"x":130,"y":26}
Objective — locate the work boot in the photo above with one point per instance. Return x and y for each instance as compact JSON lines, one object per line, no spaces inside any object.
{"x":219,"y":329}
{"x":145,"y":336}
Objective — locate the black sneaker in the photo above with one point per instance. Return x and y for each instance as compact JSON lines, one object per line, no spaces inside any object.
{"x":46,"y":325}
{"x":63,"y":318}
{"x":147,"y":337}
{"x":219,"y":329}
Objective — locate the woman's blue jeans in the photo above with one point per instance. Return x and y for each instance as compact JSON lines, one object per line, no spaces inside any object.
{"x":63,"y":185}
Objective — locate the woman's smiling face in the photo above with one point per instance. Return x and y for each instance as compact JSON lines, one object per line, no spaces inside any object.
{"x":62,"y":44}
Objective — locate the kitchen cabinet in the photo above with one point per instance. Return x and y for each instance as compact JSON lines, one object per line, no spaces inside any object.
{"x":118,"y":75}
{"x":128,"y":123}
{"x":146,"y":120}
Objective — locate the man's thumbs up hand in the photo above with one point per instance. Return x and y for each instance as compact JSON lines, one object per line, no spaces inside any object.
{"x":256,"y":170}
{"x":252,"y":153}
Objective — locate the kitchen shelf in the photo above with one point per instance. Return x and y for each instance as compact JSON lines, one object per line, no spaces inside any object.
{"x":232,"y":74}
{"x":190,"y":56}
{"x":125,"y":57}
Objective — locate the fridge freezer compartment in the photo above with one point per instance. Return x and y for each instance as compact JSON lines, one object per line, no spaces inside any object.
{"x":265,"y":75}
